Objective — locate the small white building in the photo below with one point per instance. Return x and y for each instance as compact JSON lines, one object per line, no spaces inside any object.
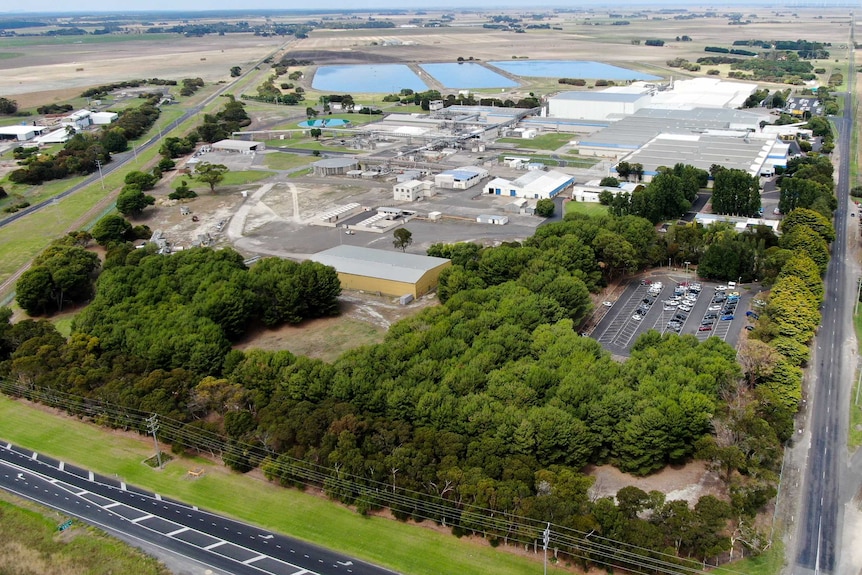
{"x":103,"y":118}
{"x":460,"y":178}
{"x":55,"y":137}
{"x":412,"y":190}
{"x":435,"y":105}
{"x":492,"y":219}
{"x":78,"y":120}
{"x":241,"y":146}
{"x":533,"y":185}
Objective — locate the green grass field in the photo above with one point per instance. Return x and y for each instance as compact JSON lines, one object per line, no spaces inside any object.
{"x":587,"y":208}
{"x":551,"y":141}
{"x":768,"y":563}
{"x":32,"y":544}
{"x":854,"y":438}
{"x":88,"y":39}
{"x":406,"y":548}
{"x":244,"y":177}
{"x":280,"y":161}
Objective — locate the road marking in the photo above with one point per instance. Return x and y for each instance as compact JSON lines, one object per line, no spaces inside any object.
{"x":178,"y":531}
{"x":92,"y":477}
{"x":82,"y":493}
{"x":214,"y":545}
{"x":34,"y":456}
{"x":9,"y":446}
{"x":148,"y":516}
{"x":122,"y":486}
{"x":62,"y":466}
{"x":114,"y":504}
{"x":301,"y":572}
{"x":253,"y":559}
{"x":157,"y":496}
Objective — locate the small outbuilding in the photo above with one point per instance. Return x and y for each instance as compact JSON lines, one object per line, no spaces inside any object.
{"x":534,"y":185}
{"x":460,"y":178}
{"x":387,"y":272}
{"x":103,"y":118}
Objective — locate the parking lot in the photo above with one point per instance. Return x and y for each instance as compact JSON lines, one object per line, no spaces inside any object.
{"x":676,"y":303}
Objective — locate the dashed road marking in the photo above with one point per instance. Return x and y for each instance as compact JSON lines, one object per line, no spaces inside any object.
{"x":178,"y":531}
{"x":148,"y":516}
{"x":253,"y":559}
{"x":214,"y":545}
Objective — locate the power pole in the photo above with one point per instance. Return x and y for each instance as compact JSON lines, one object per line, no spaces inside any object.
{"x":101,"y":177}
{"x":153,"y":427}
{"x":546,"y":538}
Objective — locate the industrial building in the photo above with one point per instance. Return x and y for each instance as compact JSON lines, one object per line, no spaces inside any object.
{"x":460,"y":178}
{"x":21,"y":133}
{"x":78,"y":120}
{"x":590,"y":191}
{"x":535,"y":185}
{"x":386,"y":272}
{"x":595,"y":105}
{"x":412,"y":190}
{"x":103,"y":118}
{"x":742,"y":151}
{"x":334,"y":166}
{"x":241,"y":146}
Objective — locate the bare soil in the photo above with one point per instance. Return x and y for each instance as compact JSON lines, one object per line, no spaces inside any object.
{"x":686,"y":482}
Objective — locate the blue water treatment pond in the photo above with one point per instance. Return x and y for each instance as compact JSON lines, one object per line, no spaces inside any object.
{"x":467,"y":75}
{"x":570,"y":69}
{"x":375,"y":78}
{"x":324,"y":123}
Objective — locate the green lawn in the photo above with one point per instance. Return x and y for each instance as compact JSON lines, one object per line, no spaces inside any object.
{"x":406,"y":548}
{"x":88,"y":39}
{"x":551,"y":141}
{"x":769,"y":563}
{"x":285,"y":161}
{"x":588,"y":208}
{"x":244,"y":177}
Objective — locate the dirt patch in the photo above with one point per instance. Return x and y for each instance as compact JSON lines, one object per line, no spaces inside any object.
{"x":686,"y":482}
{"x":364,"y":320}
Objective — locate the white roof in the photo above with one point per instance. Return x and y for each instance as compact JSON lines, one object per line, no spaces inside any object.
{"x":237,"y":145}
{"x":20,"y":130}
{"x":381,"y":264}
{"x":540,"y":181}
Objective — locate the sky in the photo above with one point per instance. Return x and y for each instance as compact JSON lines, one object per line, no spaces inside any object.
{"x":88,"y":6}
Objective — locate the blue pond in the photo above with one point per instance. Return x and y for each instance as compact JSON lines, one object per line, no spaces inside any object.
{"x":467,"y":75}
{"x":326,"y":122}
{"x":570,"y":69}
{"x":376,"y":78}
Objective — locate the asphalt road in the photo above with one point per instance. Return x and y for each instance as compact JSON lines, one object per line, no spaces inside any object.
{"x":211,"y":540}
{"x":818,"y":530}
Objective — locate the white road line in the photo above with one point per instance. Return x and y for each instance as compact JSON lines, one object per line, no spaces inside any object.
{"x":253,"y":559}
{"x":214,"y":545}
{"x":177,"y":532}
{"x":110,"y":505}
{"x":157,"y":496}
{"x":92,"y":477}
{"x":34,"y":456}
{"x":301,"y":572}
{"x":142,"y":518}
{"x":9,"y":446}
{"x":82,"y":493}
{"x":62,"y":466}
{"x":122,"y":486}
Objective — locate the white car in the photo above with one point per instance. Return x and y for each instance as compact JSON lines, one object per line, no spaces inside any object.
{"x":670,"y":307}
{"x":684,"y":307}
{"x":721,"y":288}
{"x":608,"y":303}
{"x":637,"y":317}
{"x":714,"y":308}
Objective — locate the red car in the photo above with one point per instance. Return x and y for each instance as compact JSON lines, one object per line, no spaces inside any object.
{"x":705,"y":328}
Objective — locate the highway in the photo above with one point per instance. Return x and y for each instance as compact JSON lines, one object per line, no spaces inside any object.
{"x":217,"y":542}
{"x":818,"y":530}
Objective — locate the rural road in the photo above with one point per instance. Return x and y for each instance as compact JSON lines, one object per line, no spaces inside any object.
{"x":819,"y":527}
{"x":222,"y":544}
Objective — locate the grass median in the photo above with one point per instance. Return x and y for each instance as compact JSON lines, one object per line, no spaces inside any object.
{"x":406,"y":548}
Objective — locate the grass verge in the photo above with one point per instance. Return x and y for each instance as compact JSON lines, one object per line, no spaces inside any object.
{"x":32,"y":544}
{"x":768,"y":563}
{"x":854,"y":434}
{"x":241,"y":178}
{"x":283,"y":161}
{"x":407,"y":548}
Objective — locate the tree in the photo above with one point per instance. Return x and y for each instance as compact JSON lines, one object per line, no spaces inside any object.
{"x":814,"y":220}
{"x":111,"y":229}
{"x":403,"y":238}
{"x":545,"y":208}
{"x":315,"y":133}
{"x":235,"y":71}
{"x":60,"y":273}
{"x":310,"y":112}
{"x":210,"y":174}
{"x":736,"y":193}
{"x":8,"y":107}
{"x":132,"y":201}
{"x":624,"y":169}
{"x":114,"y":141}
{"x":142,"y":180}
{"x":610,"y":182}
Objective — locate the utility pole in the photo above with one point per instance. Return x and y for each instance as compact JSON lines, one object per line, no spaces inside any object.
{"x":153,"y":427}
{"x":101,"y":177}
{"x":546,"y":538}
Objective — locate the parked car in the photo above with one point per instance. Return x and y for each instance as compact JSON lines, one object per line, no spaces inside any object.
{"x":705,"y":328}
{"x":669,"y":307}
{"x":750,"y":313}
{"x":714,"y":308}
{"x":749,"y":327}
{"x":727,"y":317}
{"x":608,"y":303}
{"x":721,"y":288}
{"x":637,"y":317}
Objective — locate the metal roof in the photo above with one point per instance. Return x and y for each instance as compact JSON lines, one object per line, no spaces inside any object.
{"x":335,"y":163}
{"x":702,"y":151}
{"x":599,"y":96}
{"x":380,"y":264}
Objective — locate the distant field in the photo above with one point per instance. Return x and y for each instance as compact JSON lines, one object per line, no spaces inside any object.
{"x":32,"y":544}
{"x":283,"y":161}
{"x":244,"y":177}
{"x":88,"y":39}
